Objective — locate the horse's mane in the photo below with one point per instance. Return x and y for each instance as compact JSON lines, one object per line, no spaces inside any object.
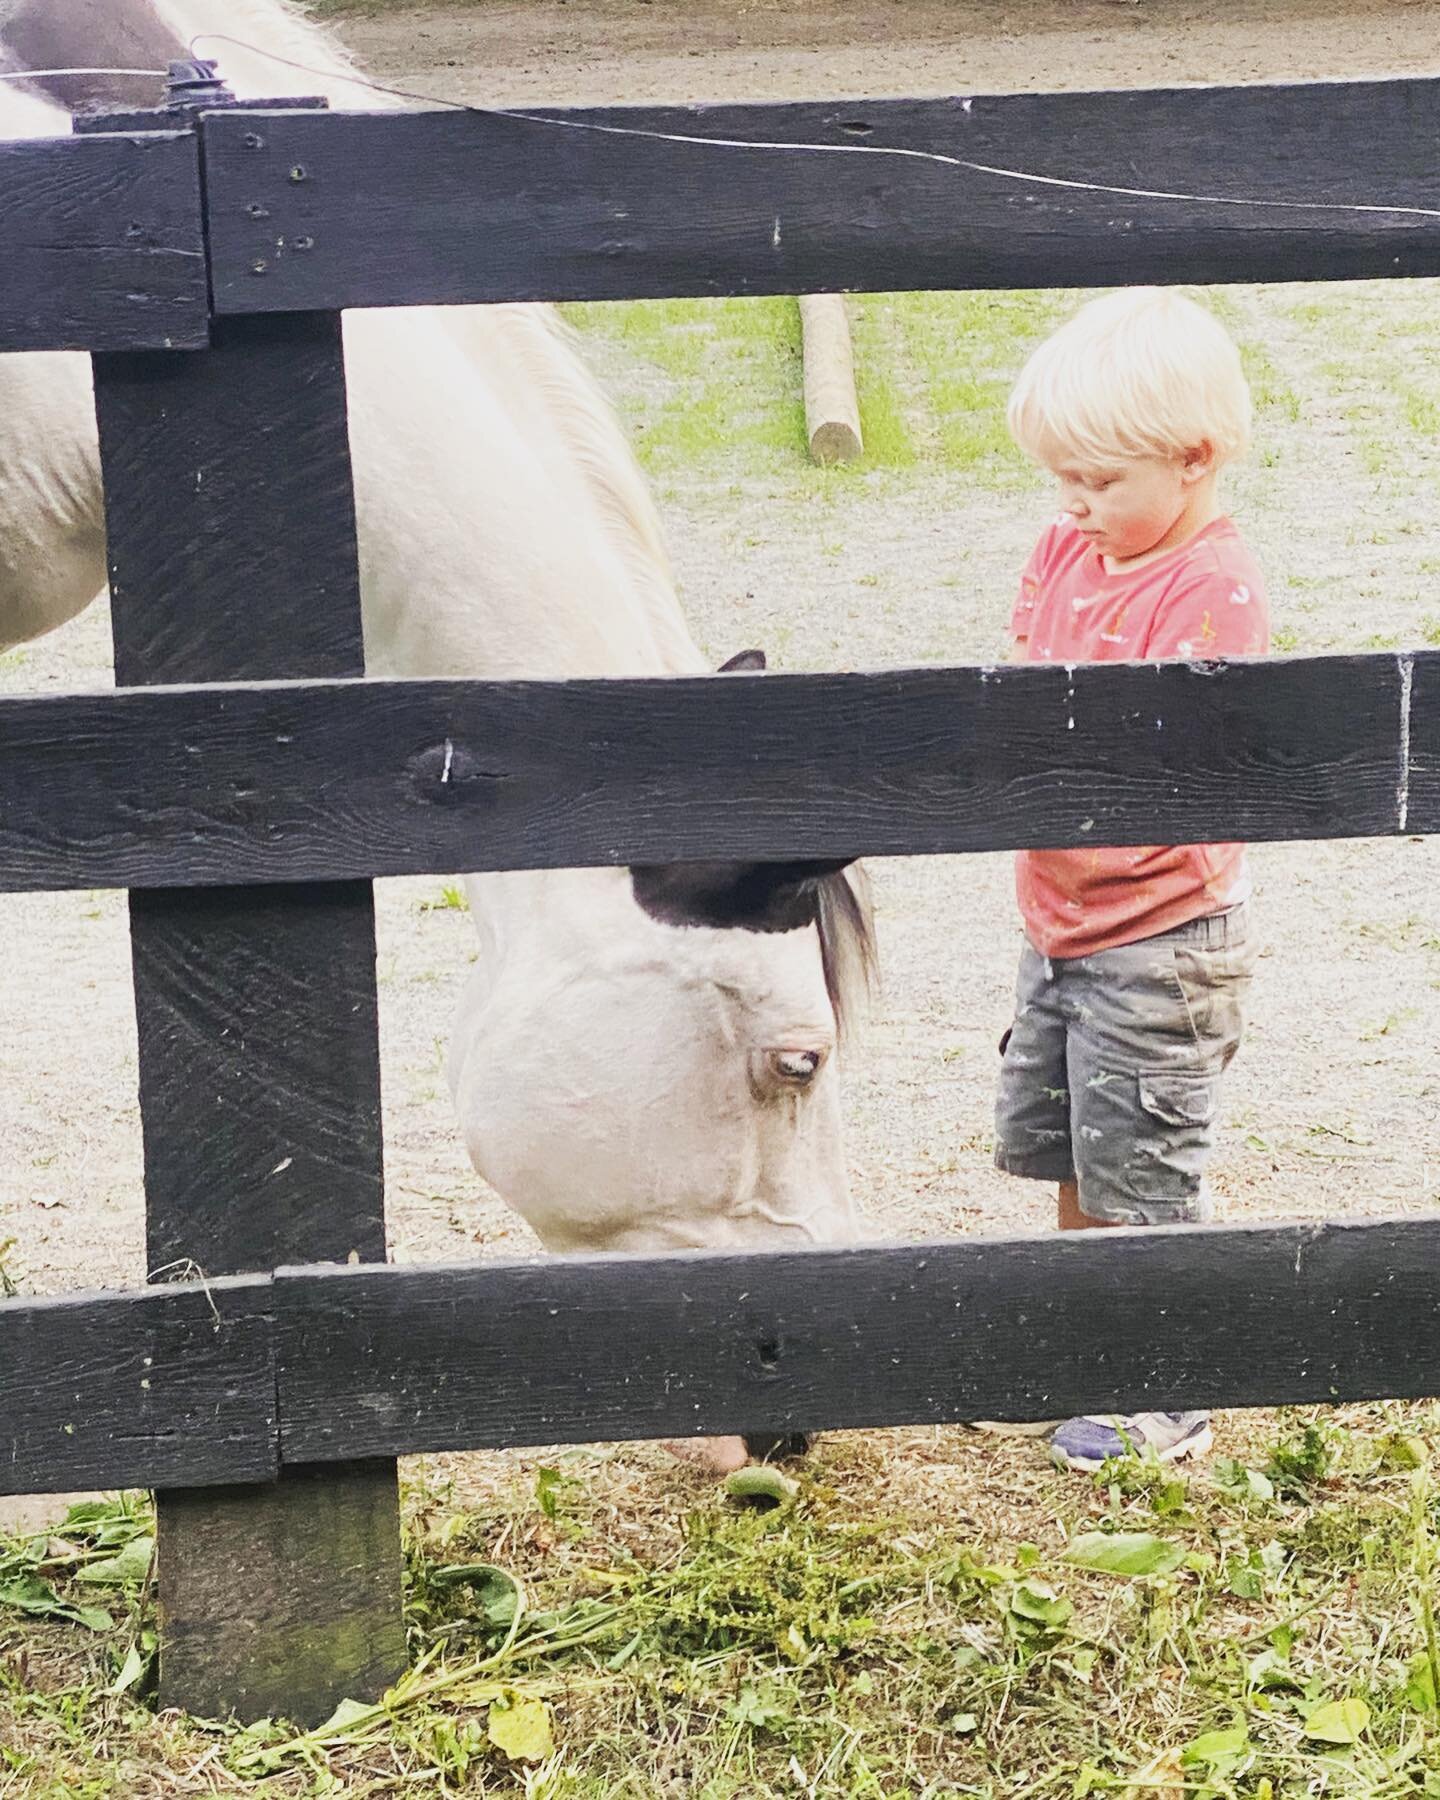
{"x":560,"y":387}
{"x":564,"y":389}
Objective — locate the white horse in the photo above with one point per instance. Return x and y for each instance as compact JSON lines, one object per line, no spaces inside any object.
{"x":644,"y":1060}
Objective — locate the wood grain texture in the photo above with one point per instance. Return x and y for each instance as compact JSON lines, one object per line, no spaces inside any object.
{"x":1419,"y":766}
{"x":104,"y":245}
{"x":169,"y":1385}
{"x":231,"y":528}
{"x":370,"y":210}
{"x":580,"y":1350}
{"x":229,"y":509}
{"x":231,"y":532}
{"x":383,"y":1361}
{"x":273,"y":1600}
{"x":260,"y":1074}
{"x":322,"y":781}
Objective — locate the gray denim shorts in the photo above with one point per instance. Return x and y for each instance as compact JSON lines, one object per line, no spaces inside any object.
{"x":1111,"y":1070}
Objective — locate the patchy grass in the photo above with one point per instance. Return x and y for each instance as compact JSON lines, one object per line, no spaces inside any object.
{"x":1372,"y":364}
{"x":957,"y":1619}
{"x":451,"y":898}
{"x":713,"y":389}
{"x":712,"y":385}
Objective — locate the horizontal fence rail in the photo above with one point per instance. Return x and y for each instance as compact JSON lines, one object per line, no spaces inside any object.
{"x":104,"y":244}
{"x":292,"y":781}
{"x":170,"y":1386}
{"x":1197,"y":184}
{"x":176,"y":1385}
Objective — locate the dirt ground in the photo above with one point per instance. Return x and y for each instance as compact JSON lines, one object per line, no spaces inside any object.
{"x":1335,"y":1105}
{"x":597,"y":51}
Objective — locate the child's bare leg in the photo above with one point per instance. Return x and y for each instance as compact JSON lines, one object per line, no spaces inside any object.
{"x":1069,"y":1215}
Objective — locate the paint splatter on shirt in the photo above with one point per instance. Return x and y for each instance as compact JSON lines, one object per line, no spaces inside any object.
{"x":1203,"y":599}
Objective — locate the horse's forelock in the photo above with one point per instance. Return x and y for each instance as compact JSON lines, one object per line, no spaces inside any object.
{"x":845,"y":923}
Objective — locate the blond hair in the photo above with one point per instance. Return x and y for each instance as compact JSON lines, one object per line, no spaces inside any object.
{"x":1141,"y":372}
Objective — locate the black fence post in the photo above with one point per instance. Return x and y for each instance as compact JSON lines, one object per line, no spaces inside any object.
{"x":232,"y":555}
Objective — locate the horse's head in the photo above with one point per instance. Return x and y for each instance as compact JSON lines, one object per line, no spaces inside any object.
{"x":661,"y":1074}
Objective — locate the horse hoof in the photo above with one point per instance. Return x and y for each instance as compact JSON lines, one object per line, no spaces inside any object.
{"x":779,"y":1446}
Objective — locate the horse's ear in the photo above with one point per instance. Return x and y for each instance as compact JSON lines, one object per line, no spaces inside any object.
{"x":768,"y":896}
{"x":748,"y":662}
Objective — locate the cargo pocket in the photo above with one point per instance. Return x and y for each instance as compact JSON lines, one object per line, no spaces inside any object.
{"x":1179,"y":1100}
{"x":1166,"y":1164}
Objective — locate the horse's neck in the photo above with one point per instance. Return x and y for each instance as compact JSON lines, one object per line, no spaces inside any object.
{"x":505,"y":529}
{"x":487,"y":548}
{"x":529,"y":547}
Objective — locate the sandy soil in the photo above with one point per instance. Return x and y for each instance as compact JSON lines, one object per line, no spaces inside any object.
{"x":596,"y":51}
{"x":1333,"y":1107}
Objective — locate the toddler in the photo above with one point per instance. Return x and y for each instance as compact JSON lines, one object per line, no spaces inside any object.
{"x":1135,"y":960}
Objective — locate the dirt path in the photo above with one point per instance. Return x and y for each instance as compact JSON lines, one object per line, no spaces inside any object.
{"x":1334,"y":1106}
{"x":591,"y":51}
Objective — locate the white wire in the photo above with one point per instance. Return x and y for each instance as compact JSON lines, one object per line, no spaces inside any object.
{"x":932,"y":156}
{"x":979,"y":168}
{"x":1028,"y":176}
{"x":39,"y":74}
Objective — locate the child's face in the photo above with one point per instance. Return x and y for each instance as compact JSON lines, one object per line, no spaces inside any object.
{"x":1134,"y":505}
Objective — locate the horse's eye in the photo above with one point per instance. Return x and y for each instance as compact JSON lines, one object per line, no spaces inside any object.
{"x":796,"y":1065}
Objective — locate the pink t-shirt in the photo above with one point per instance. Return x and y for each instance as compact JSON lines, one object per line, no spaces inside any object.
{"x":1203,"y":599}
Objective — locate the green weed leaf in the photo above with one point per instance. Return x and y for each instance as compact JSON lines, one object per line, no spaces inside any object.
{"x":31,"y":1595}
{"x":1399,"y":1451}
{"x":547,"y":1484}
{"x":1128,"y":1553}
{"x":495,"y":1593}
{"x":346,"y":1714}
{"x":1338,"y":1722}
{"x":520,"y":1728}
{"x":126,"y":1569}
{"x":1270,"y":1669}
{"x":1038,"y":1602}
{"x":763,"y":1485}
{"x":1420,"y":1684}
{"x":137,"y":1661}
{"x":751,"y":1708}
{"x":1218,"y":1750}
{"x":1247,"y":1484}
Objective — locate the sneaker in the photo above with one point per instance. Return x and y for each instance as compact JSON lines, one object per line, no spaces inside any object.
{"x":1092,"y":1439}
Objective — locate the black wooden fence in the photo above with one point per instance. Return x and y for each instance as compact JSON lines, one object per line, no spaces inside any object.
{"x":268,"y":1408}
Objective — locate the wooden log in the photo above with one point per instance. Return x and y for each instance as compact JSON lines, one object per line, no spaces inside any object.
{"x":231,"y":533}
{"x":309,"y":781}
{"x":1010,"y":190}
{"x":832,"y":413}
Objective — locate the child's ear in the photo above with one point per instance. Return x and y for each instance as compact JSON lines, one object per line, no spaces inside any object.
{"x":1199,"y":461}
